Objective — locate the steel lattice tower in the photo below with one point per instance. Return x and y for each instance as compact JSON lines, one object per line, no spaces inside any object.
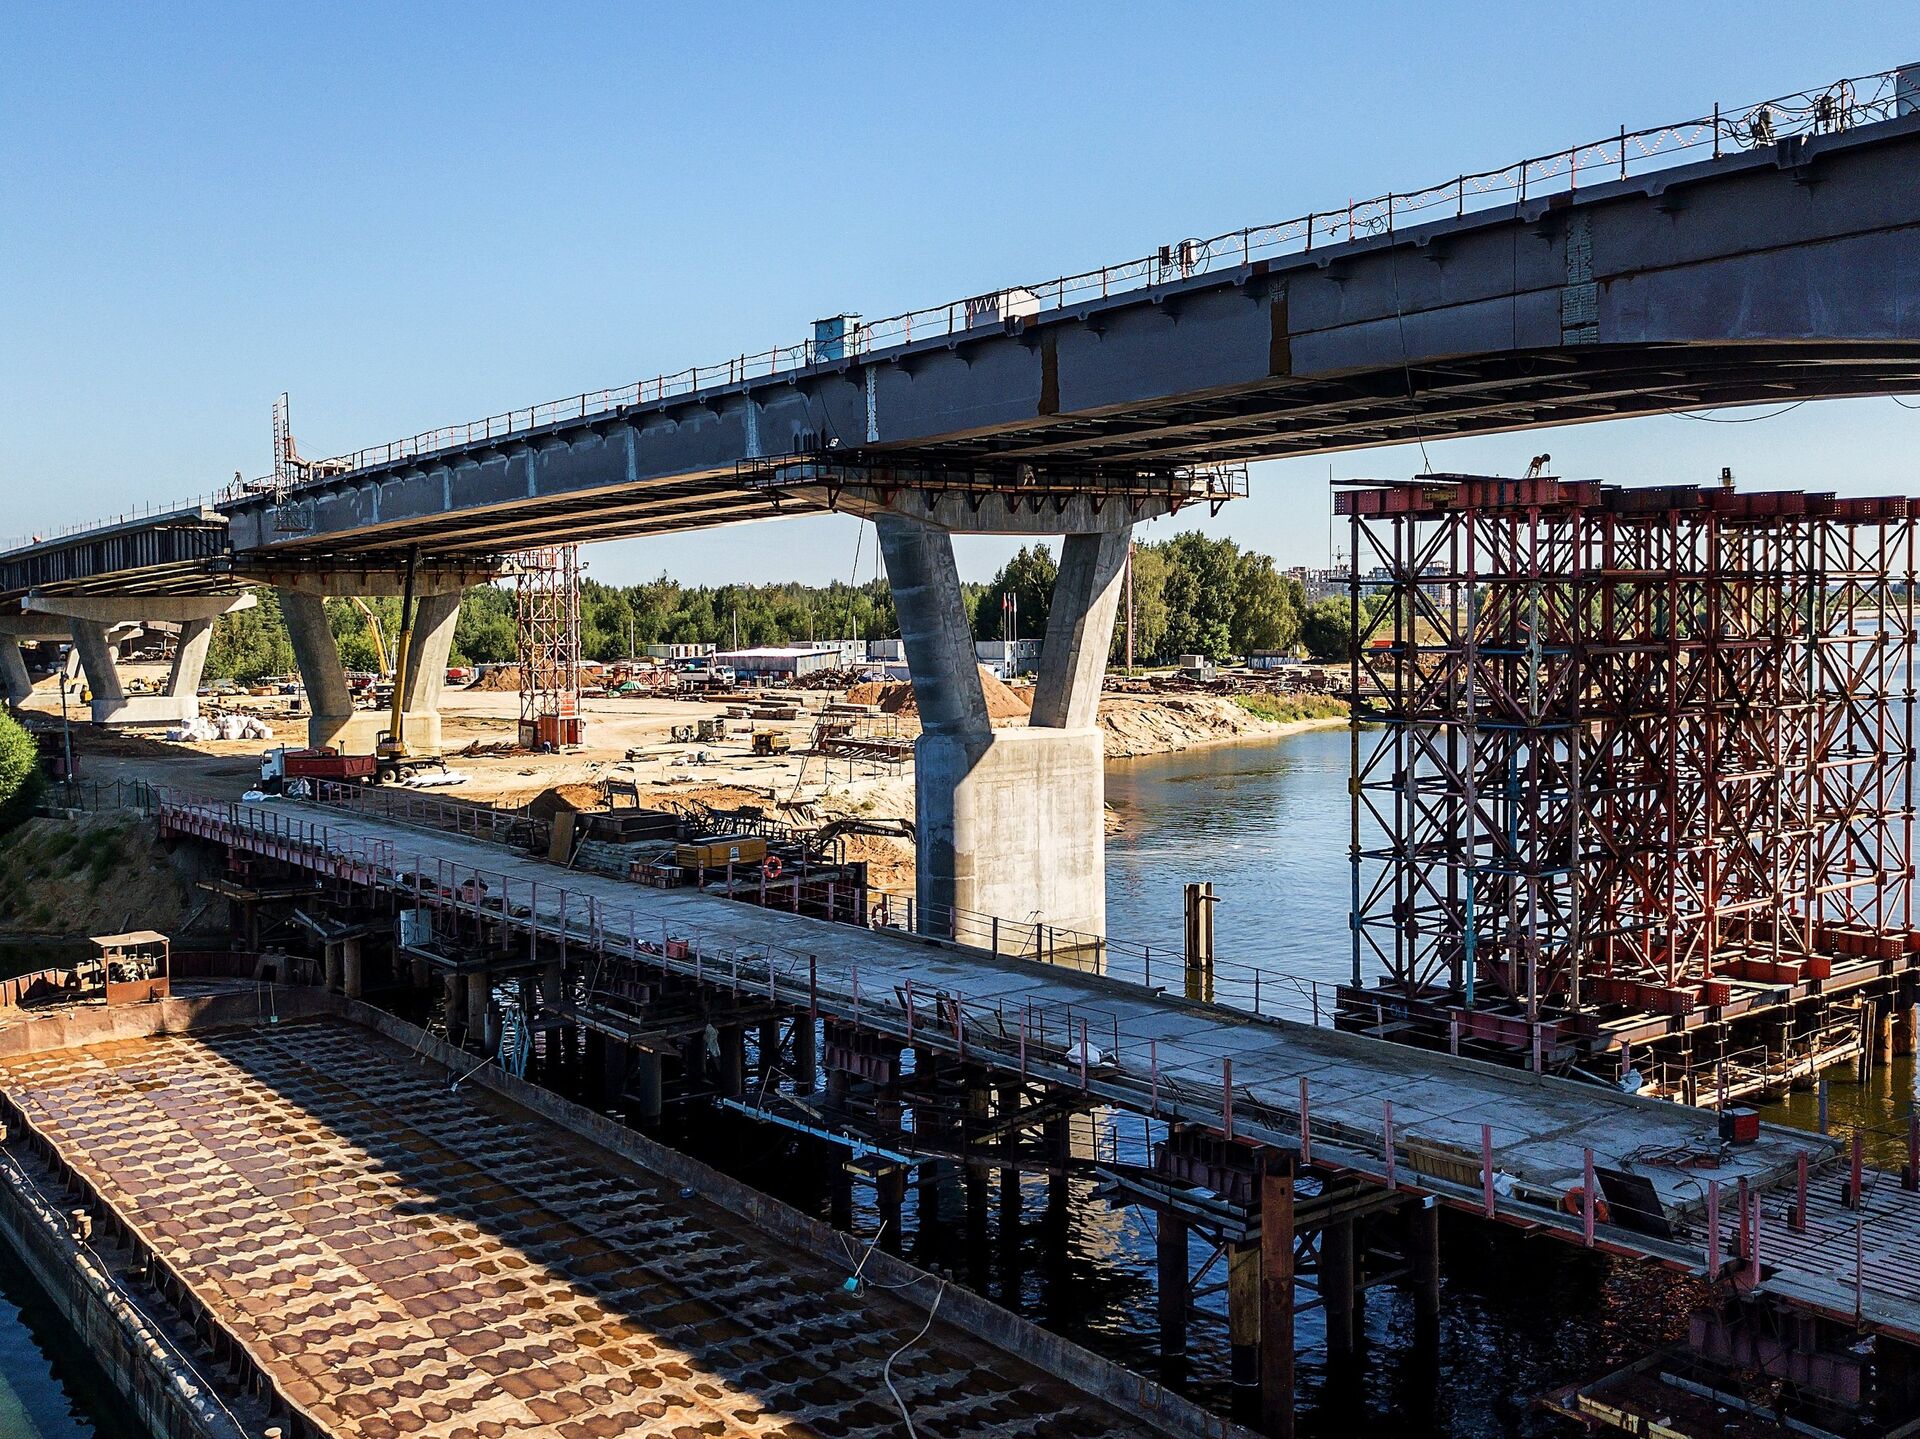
{"x":1630,"y":741}
{"x":547,"y":611}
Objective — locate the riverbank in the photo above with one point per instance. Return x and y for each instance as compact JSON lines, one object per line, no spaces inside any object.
{"x":1138,"y":726}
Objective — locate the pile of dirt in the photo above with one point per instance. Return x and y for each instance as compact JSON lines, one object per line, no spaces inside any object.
{"x":551,"y":800}
{"x":103,"y":873}
{"x":896,"y":697}
{"x":500,"y":677}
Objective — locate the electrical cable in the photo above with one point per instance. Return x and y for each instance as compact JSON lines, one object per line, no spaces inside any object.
{"x":1902,"y":403}
{"x":1741,"y":419}
{"x":886,"y":1370}
{"x":1406,"y":366}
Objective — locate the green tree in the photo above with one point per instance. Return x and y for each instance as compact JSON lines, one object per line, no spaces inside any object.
{"x":1269,"y":607}
{"x":1150,"y":616}
{"x":20,"y":779}
{"x":1328,"y":629}
{"x":1029,"y":578}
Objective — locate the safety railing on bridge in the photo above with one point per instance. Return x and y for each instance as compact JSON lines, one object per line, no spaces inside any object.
{"x":1111,"y":1052}
{"x":1840,"y":106}
{"x":1843,"y":105}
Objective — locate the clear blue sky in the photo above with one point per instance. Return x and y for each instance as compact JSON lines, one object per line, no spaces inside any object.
{"x":414,"y":214}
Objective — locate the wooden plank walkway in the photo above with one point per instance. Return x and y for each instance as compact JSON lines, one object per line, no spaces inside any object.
{"x":1161,"y":1054}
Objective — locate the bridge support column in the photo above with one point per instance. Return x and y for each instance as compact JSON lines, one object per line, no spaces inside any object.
{"x":1276,"y":1303}
{"x":1011,"y":822}
{"x":480,"y":1022}
{"x":435,"y":617}
{"x":649,"y":1086}
{"x":92,"y":618}
{"x":331,"y":717}
{"x":99,"y":664}
{"x":14,"y":678}
{"x":1172,"y":1286}
{"x":351,"y":969}
{"x":1336,"y":1289}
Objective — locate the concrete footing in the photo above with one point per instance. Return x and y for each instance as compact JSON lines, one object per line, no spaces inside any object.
{"x":1012,"y":823}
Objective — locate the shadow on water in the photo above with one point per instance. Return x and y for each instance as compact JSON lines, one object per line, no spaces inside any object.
{"x":49,"y":1387}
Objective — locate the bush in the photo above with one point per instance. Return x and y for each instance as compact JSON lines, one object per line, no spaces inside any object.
{"x":20,"y":779}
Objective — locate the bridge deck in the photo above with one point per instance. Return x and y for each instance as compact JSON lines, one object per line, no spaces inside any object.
{"x":1165,"y":1054}
{"x":405,"y":1260}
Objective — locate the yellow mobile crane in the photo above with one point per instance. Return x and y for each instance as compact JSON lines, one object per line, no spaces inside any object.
{"x":374,"y":633}
{"x":393,"y":752}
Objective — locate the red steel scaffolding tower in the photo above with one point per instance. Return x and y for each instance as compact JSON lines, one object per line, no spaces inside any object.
{"x":1631,"y":745}
{"x":547,"y":611}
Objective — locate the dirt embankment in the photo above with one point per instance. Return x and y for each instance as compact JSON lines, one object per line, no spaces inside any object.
{"x":1137,"y":725}
{"x":895,"y":697}
{"x":100,"y":874}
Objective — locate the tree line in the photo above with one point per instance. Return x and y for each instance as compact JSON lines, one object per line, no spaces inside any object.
{"x":1191,"y":595}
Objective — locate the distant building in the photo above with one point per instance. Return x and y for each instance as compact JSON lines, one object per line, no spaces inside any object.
{"x":1008,"y":658}
{"x":779,"y":661}
{"x":1273,"y":659}
{"x":678,"y":652}
{"x":886,"y":651}
{"x":1319,"y":584}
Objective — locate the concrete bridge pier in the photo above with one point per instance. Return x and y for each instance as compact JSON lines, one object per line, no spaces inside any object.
{"x":91,"y":620}
{"x":17,"y":683}
{"x":332,"y":720}
{"x":1011,"y":822}
{"x":16,"y":630}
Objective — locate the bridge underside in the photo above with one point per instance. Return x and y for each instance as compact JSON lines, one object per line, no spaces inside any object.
{"x":1471,"y":394}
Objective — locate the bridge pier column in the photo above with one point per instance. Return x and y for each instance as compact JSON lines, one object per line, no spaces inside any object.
{"x":481,"y":1031}
{"x":806,"y":1054}
{"x":100,"y":665}
{"x":331,"y":717}
{"x":649,"y":1087}
{"x":1336,"y":1289}
{"x":1170,"y":1253}
{"x":189,"y":662}
{"x":435,"y":617}
{"x":14,"y":678}
{"x":351,"y":969}
{"x":91,"y":620}
{"x":1276,"y":1303}
{"x":1011,"y":822}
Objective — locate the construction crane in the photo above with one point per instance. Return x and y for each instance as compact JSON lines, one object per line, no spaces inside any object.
{"x":392,"y":749}
{"x":374,"y":633}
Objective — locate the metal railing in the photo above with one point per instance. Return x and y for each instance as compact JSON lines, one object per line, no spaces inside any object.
{"x":1843,"y":105}
{"x":1109,"y":1051}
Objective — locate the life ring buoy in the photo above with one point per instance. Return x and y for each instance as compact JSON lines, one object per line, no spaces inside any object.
{"x":772,"y":869}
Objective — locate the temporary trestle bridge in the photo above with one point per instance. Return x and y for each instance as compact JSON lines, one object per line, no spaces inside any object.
{"x":1299,"y":1150}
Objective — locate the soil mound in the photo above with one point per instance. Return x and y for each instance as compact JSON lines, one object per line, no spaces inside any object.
{"x":896,"y":697}
{"x":501,"y":677}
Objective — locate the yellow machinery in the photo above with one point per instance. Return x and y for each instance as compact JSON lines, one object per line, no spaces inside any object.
{"x":374,"y":634}
{"x":772,"y":742}
{"x":393,"y":752}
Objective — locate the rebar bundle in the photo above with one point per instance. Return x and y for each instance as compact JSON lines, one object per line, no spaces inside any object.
{"x":1630,"y":742}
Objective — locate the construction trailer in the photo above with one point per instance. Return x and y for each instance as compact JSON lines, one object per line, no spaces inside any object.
{"x":1633,"y":776}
